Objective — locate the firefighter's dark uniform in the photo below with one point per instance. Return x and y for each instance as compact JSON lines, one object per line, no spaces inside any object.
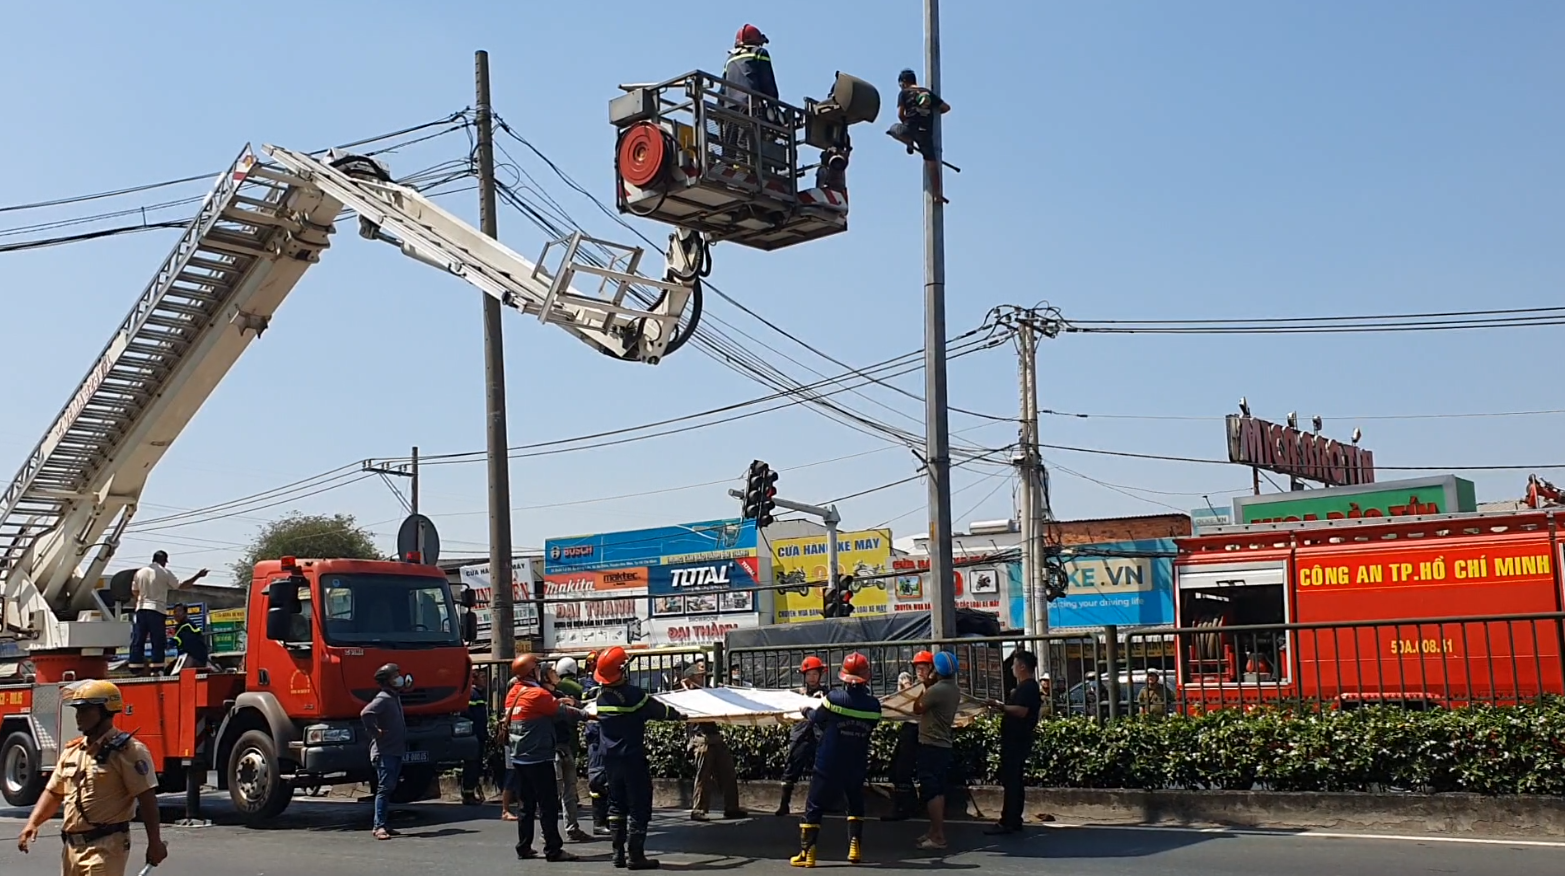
{"x":597,"y":780}
{"x":623,"y":712}
{"x":189,"y":641}
{"x":478,"y":713}
{"x":99,"y":790}
{"x":803,"y":738}
{"x":846,"y":718}
{"x":750,"y":66}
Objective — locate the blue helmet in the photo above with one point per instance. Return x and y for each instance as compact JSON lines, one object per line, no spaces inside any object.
{"x":945,"y":664}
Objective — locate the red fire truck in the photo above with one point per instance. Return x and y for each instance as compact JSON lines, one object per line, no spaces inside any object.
{"x":1352,"y":611}
{"x":316,"y":632}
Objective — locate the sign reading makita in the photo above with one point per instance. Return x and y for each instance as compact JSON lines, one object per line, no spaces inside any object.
{"x":1305,"y":455}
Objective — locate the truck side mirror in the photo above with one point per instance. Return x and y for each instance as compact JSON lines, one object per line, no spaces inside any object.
{"x":469,"y":598}
{"x":282,"y":598}
{"x":469,"y":627}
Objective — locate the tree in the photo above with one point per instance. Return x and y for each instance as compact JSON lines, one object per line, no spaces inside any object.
{"x":318,"y":536}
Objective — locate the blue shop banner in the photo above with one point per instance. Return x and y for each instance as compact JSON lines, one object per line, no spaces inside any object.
{"x":682,"y":544}
{"x":1126,"y":583}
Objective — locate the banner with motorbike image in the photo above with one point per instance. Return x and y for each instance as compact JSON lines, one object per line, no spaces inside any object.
{"x":801,"y":562}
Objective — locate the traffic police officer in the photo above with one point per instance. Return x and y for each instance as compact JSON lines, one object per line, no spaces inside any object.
{"x":847,"y":717}
{"x":623,"y":712}
{"x":804,"y":735}
{"x":102,"y":778}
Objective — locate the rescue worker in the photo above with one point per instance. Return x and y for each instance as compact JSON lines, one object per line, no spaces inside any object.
{"x":749,"y":64}
{"x":936,"y":709}
{"x":103,"y":778}
{"x":597,"y":782}
{"x":188,"y":640}
{"x":562,"y":681}
{"x":846,"y":717}
{"x":804,"y":735}
{"x":149,"y":625}
{"x":530,"y":712}
{"x":916,"y":109}
{"x":478,"y":713}
{"x":904,"y":757}
{"x":623,"y":713}
{"x":714,"y":759}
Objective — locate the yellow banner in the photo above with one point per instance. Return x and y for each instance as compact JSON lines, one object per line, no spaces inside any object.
{"x":802,"y":561}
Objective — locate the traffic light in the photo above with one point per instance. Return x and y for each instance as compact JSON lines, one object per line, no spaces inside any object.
{"x":759,"y":492}
{"x":837,"y":597}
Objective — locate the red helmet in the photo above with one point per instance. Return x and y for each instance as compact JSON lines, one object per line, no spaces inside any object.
{"x":924,"y":657}
{"x":812,"y":662}
{"x":524,"y":666}
{"x":750,"y":35}
{"x":611,"y":665}
{"x":855,"y":669}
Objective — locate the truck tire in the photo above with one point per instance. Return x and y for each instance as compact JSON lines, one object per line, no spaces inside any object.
{"x":255,"y":781}
{"x":21,"y":770}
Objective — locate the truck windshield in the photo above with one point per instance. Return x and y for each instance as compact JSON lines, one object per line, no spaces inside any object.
{"x":388,"y":610}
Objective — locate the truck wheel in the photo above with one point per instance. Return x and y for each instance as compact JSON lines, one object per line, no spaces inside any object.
{"x":21,"y":770}
{"x":255,"y":781}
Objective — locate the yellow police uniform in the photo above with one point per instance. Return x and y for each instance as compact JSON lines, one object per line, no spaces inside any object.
{"x":99,"y":803}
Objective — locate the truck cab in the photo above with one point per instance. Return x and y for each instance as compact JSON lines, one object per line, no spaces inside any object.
{"x":317,"y":631}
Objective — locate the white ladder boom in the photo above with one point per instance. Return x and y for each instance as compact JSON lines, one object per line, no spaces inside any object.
{"x":406,"y":219}
{"x":257,"y":232}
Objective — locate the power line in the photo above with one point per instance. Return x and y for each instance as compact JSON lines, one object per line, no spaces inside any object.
{"x":1404,"y":322}
{"x":1338,"y":417}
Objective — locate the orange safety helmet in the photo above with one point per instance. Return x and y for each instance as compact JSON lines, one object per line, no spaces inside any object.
{"x":611,"y":666}
{"x":855,"y":669}
{"x":924,"y":657}
{"x":525,"y":666}
{"x":750,"y":35}
{"x":812,"y":662}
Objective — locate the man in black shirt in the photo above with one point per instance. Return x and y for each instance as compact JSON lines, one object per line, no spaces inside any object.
{"x":188,"y":640}
{"x":1017,"y":723}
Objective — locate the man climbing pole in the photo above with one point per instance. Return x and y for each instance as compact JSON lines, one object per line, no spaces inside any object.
{"x":915,"y":127}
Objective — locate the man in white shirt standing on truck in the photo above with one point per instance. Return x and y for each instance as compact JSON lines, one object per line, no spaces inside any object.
{"x":149,"y":593}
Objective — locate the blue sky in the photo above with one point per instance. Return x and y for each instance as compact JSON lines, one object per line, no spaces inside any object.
{"x":1132,"y":160}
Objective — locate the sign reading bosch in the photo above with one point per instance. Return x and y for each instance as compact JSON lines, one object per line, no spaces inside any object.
{"x":687,"y":573}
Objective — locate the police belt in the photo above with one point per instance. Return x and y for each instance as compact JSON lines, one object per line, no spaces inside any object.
{"x":82,"y":838}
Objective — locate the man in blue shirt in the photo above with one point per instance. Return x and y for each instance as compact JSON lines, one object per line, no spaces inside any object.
{"x":846,"y":718}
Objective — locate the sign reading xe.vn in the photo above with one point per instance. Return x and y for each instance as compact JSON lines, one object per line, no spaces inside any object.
{"x":1305,"y":455}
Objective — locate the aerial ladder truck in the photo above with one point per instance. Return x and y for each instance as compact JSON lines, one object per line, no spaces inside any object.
{"x":288,"y":720}
{"x":685,"y":156}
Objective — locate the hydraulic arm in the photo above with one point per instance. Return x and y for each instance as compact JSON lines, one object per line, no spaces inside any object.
{"x":257,"y":232}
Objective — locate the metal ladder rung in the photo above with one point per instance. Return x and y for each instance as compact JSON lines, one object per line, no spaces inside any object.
{"x":216,"y":265}
{"x":233,"y":247}
{"x":170,"y":322}
{"x":258,"y":218}
{"x":191,"y":294}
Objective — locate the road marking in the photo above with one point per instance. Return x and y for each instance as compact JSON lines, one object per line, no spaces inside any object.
{"x":1319,"y":834}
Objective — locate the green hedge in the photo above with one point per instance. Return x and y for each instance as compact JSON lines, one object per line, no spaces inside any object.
{"x":1479,"y":749}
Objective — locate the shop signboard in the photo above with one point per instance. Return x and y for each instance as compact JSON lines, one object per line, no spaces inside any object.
{"x":524,"y":611}
{"x":1291,"y":452}
{"x":988,"y":586}
{"x":801,"y":562}
{"x":1446,"y":494}
{"x":225,"y":631}
{"x":1125,"y":583}
{"x":679,"y":583}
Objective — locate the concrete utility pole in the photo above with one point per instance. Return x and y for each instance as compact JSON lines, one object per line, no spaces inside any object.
{"x":1034,"y":509}
{"x":502,"y":611}
{"x":937,"y":426}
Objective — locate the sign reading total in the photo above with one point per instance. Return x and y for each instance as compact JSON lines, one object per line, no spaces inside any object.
{"x":1305,"y":455}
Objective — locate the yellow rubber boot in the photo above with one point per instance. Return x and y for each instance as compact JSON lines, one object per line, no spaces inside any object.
{"x":855,"y":838}
{"x":806,"y":855}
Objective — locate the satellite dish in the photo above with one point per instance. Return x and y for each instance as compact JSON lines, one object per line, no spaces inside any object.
{"x":417,"y":535}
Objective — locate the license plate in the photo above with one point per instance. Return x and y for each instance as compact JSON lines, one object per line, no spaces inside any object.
{"x":416,"y":757}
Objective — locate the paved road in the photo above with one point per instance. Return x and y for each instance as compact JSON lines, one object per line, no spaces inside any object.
{"x":316,"y":836}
